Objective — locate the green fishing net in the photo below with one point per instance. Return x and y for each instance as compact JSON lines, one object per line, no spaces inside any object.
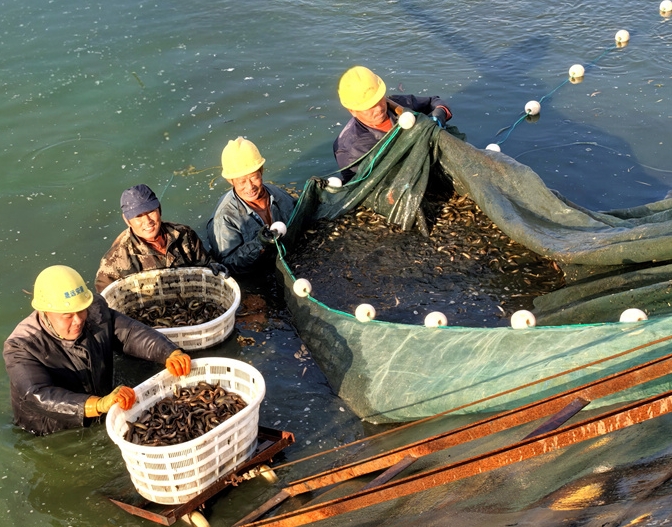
{"x":612,"y":261}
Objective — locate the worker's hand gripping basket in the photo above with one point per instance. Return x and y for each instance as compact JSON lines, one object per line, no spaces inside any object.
{"x":163,"y":286}
{"x":177,"y":473}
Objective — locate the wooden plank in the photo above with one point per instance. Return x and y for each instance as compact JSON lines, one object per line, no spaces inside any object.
{"x":560,"y":418}
{"x":390,"y":473}
{"x":260,"y":511}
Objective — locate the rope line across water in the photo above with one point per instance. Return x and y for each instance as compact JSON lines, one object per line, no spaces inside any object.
{"x":548,"y":96}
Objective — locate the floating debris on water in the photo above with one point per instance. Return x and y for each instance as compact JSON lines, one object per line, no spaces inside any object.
{"x":245,"y":341}
{"x":192,"y":412}
{"x":467,"y":268}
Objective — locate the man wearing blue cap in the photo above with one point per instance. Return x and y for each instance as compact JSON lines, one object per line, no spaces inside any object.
{"x":150,"y":243}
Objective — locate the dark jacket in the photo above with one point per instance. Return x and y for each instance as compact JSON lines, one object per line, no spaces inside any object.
{"x":51,"y":379}
{"x":233,"y":229}
{"x":356,"y":139}
{"x":130,"y":254}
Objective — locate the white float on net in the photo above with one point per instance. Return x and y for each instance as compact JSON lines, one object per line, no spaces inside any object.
{"x":436,"y":319}
{"x":633,"y":315}
{"x":622,"y":36}
{"x":335,"y":182}
{"x":576,"y":71}
{"x":666,"y":6}
{"x":302,"y":287}
{"x":365,"y":312}
{"x":523,"y":319}
{"x":532,"y":108}
{"x":279,"y":227}
{"x":406,"y":120}
{"x":196,"y":519}
{"x":494,"y":147}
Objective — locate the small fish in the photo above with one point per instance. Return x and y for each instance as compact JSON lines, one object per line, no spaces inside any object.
{"x":191,"y":412}
{"x":142,"y":85}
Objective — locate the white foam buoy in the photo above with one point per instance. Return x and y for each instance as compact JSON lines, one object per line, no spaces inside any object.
{"x":195,"y":519}
{"x":633,"y":315}
{"x":622,"y":36}
{"x":532,"y":108}
{"x":494,"y":147}
{"x":523,"y":319}
{"x":268,"y":474}
{"x":279,"y":227}
{"x":666,"y":6}
{"x":406,"y":120}
{"x":576,"y":71}
{"x":365,"y":312}
{"x":302,"y":287}
{"x":436,"y":319}
{"x":335,"y":182}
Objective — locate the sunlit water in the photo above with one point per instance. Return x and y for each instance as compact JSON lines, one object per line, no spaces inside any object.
{"x":99,"y":96}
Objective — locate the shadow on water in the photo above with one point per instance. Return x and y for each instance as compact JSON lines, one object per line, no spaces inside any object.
{"x":560,"y":150}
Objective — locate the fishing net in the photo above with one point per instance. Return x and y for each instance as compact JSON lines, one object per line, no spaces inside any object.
{"x":390,"y":371}
{"x":612,"y":260}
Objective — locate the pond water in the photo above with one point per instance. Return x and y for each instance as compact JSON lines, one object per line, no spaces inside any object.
{"x":99,"y":96}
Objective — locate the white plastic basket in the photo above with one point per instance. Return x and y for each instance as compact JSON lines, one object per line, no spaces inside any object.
{"x":177,"y":473}
{"x":164,"y":285}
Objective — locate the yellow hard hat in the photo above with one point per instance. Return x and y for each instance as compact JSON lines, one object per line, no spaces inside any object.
{"x":360,"y":89}
{"x":60,"y":289}
{"x":240,"y":158}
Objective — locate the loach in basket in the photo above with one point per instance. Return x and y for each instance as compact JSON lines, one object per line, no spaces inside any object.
{"x":177,"y":473}
{"x":161,"y":286}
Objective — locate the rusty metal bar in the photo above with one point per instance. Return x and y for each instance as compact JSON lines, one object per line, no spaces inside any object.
{"x":283,"y":494}
{"x":148,"y":515}
{"x":600,"y":388}
{"x":595,"y":390}
{"x":587,"y":429}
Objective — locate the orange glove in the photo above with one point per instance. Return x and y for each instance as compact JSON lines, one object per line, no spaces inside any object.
{"x":179,"y":363}
{"x":123,"y":395}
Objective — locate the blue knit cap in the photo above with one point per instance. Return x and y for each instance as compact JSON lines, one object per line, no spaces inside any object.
{"x":138,"y":200}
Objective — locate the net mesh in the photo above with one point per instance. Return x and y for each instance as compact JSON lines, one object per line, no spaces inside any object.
{"x":612,"y":260}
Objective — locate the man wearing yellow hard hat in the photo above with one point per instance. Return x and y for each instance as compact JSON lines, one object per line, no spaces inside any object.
{"x":238,"y":230}
{"x":59,"y":359}
{"x":362,"y":93}
{"x":149,"y":242}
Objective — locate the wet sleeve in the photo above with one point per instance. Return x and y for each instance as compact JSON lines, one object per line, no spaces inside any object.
{"x":349,"y":147}
{"x":37,"y":390}
{"x":115,"y":264}
{"x":231,"y":246}
{"x":102,"y":280}
{"x":139,"y":340}
{"x":423,"y":105}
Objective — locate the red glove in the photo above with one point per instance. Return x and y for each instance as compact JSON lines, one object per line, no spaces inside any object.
{"x":179,"y":363}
